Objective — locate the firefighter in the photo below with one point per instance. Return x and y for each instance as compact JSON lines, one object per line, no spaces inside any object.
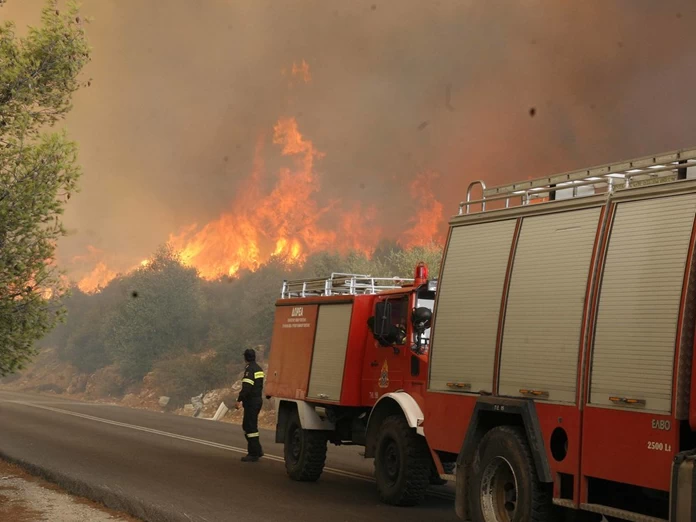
{"x":250,"y":397}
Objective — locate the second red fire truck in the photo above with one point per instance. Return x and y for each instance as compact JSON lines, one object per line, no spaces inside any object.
{"x":550,"y":362}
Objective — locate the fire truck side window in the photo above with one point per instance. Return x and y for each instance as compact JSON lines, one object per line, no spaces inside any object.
{"x":393,"y":331}
{"x":399,"y":317}
{"x":399,"y":312}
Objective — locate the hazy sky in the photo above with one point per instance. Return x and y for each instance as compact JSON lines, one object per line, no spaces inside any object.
{"x":182,"y":88}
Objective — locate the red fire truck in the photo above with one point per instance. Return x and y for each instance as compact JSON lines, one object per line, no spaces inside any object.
{"x":555,"y":369}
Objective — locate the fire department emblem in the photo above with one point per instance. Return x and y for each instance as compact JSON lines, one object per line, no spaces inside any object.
{"x":384,"y":376}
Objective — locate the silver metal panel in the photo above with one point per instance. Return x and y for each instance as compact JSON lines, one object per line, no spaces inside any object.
{"x":329,"y":356}
{"x":543,"y":320}
{"x":470,"y":293}
{"x":639,"y":302}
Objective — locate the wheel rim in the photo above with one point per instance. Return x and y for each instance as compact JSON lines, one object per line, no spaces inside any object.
{"x":499,"y":491}
{"x":391,"y":461}
{"x":295,"y":448}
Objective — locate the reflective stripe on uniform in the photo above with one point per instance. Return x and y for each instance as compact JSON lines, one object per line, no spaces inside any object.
{"x":248,"y":381}
{"x":258,"y":375}
{"x":251,"y":435}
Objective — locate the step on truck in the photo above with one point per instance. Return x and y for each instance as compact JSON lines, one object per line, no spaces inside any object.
{"x":553,"y":377}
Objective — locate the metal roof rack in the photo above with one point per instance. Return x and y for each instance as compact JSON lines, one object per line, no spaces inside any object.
{"x":604,"y":178}
{"x":341,"y":284}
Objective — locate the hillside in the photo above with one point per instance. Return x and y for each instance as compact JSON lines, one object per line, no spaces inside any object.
{"x":48,"y":374}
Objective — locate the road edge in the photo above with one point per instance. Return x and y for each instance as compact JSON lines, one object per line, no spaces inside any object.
{"x":101,"y":494}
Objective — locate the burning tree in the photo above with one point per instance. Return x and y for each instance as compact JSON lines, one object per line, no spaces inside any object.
{"x":38,"y":173}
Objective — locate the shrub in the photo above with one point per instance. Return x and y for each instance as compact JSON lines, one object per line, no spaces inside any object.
{"x":106,"y":382}
{"x":188,"y":375}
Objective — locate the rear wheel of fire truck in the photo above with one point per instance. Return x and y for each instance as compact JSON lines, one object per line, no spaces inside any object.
{"x":504,"y":485}
{"x":402,"y":463}
{"x":305,"y":452}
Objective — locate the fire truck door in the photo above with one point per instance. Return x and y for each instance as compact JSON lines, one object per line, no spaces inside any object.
{"x":386,"y":357}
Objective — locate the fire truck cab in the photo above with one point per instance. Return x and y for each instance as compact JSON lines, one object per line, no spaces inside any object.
{"x":348,"y":365}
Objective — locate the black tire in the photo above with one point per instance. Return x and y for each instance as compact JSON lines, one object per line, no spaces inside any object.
{"x":504,"y":486}
{"x":402,"y":463}
{"x":304,"y":452}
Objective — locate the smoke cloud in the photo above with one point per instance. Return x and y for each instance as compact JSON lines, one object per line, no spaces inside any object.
{"x":386,"y":90}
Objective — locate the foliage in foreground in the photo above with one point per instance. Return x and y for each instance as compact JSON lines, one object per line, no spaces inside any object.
{"x":38,"y":173}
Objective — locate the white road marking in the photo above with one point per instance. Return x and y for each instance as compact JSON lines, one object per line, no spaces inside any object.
{"x":333,"y":471}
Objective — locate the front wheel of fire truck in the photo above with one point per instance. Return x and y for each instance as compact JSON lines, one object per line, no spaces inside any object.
{"x":402,"y":463}
{"x":305,"y":452}
{"x":504,"y":485}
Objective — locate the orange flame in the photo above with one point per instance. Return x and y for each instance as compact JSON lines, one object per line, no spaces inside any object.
{"x":284,"y":222}
{"x":103,"y":271}
{"x":425,"y":226}
{"x":302,"y":70}
{"x":359,"y":231}
{"x":97,"y":279}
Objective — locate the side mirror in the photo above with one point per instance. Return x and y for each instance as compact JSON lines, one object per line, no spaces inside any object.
{"x":421,"y":318}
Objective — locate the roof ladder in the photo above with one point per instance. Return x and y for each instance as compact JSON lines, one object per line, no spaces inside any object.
{"x":339,"y":283}
{"x":669,"y":166}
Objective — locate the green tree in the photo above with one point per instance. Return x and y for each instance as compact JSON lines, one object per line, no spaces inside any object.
{"x":82,"y":339}
{"x":258,"y":293}
{"x":38,"y":173}
{"x":403,"y":262}
{"x":163,"y":314}
{"x":187,"y":375}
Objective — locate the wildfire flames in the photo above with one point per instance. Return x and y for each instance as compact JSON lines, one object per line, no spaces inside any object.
{"x":285,"y":221}
{"x":426,"y":222}
{"x":97,"y":278}
{"x":301,"y":71}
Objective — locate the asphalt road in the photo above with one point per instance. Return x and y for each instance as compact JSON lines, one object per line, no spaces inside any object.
{"x":162,"y":467}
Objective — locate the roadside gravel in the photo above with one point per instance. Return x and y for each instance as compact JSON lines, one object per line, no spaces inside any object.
{"x":24,"y":498}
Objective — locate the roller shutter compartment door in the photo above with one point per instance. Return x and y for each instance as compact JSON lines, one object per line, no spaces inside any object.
{"x":466,"y":324}
{"x":329,"y":356}
{"x":546,"y":300}
{"x":641,"y":291}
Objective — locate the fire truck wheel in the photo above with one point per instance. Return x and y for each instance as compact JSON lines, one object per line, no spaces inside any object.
{"x":402,"y":463}
{"x":305,"y":452}
{"x":504,"y":485}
